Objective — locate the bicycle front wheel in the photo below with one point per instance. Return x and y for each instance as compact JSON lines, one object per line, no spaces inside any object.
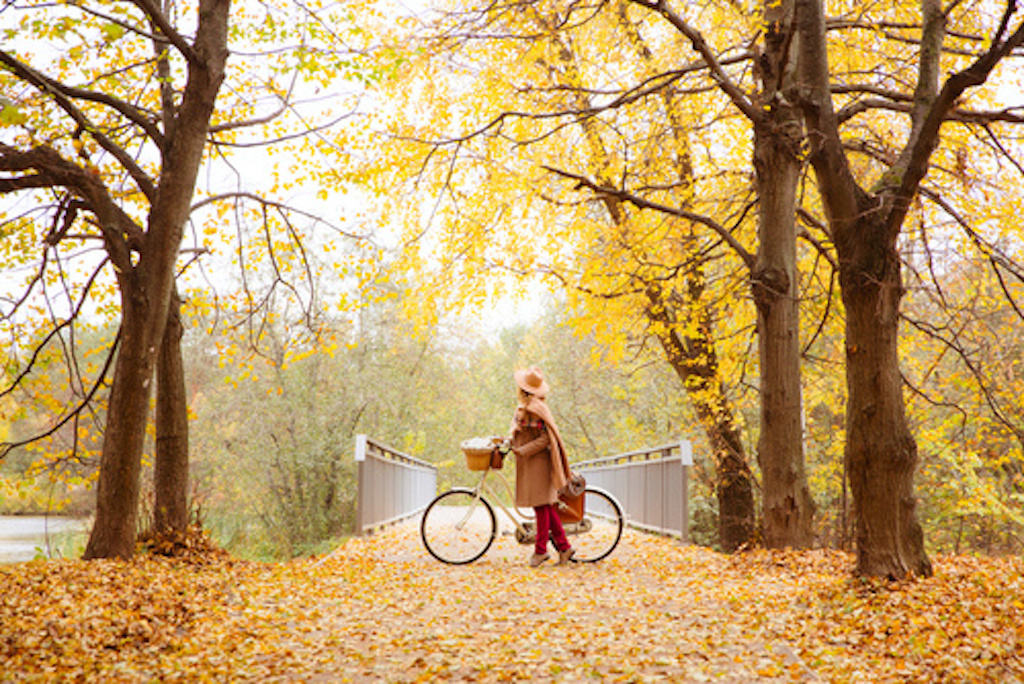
{"x":458,"y":527}
{"x":599,"y":532}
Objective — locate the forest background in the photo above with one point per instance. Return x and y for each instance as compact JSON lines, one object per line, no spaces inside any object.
{"x":357,"y":248}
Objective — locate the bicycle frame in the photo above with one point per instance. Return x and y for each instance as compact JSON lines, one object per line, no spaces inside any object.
{"x":460,"y":524}
{"x":525,"y":530}
{"x":482,"y":488}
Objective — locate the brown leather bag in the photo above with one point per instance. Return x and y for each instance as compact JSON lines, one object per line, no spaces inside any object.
{"x":497,"y":460}
{"x":571,"y":501}
{"x":571,"y":507}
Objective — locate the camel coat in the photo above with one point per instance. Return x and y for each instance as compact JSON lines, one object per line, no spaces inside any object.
{"x":540,"y":466}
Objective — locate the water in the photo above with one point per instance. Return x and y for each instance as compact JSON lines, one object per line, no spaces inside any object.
{"x":23,"y":537}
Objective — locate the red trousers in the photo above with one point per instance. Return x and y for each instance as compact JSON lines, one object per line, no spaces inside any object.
{"x":548,"y":523}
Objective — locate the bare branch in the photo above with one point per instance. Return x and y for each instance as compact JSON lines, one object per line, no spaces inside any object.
{"x":268,"y":142}
{"x":117,"y":228}
{"x":159,"y":20}
{"x":1013,"y":115}
{"x":113,"y":19}
{"x":642,"y":203}
{"x":738,"y":97}
{"x":280,"y":206}
{"x":87,"y":400}
{"x":16,"y":382}
{"x":829,"y":300}
{"x":996,"y":256}
{"x":63,"y":96}
{"x":819,"y":246}
{"x":914,"y":164}
{"x":952,"y":342}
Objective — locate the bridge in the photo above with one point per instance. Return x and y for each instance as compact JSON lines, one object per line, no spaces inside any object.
{"x":379,"y":608}
{"x":651,"y":485}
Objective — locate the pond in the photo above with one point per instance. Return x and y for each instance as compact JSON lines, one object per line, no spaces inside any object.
{"x":23,"y":537}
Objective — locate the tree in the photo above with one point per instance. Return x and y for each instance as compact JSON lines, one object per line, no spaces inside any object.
{"x":146,"y":278}
{"x":866,"y":223}
{"x":115,"y":162}
{"x":630,"y":278}
{"x":788,"y":506}
{"x":678,"y":314}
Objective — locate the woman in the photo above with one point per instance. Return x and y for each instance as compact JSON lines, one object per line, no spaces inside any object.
{"x":541,"y":464}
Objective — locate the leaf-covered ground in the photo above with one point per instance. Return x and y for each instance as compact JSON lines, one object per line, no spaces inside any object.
{"x":380,"y":609}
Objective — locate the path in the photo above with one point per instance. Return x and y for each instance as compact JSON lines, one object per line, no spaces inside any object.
{"x":651,"y":611}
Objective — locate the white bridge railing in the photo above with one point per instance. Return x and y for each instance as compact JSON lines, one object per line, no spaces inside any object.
{"x":652,"y":486}
{"x":392,"y":485}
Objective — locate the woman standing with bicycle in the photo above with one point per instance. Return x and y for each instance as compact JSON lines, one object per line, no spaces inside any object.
{"x":542,"y":468}
{"x":459,"y":525}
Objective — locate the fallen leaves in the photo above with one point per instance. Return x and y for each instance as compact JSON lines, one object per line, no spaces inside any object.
{"x":382,"y":610}
{"x":964,"y":624}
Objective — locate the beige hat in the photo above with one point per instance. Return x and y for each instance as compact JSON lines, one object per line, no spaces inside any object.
{"x":531,"y":380}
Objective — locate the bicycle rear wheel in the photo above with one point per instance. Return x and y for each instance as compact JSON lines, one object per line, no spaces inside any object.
{"x":597,"y":535}
{"x":458,"y":527}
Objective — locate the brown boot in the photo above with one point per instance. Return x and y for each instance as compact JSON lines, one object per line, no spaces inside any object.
{"x":538,"y":558}
{"x":566,"y":556}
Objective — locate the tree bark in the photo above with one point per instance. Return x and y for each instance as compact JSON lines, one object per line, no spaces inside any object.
{"x":787,"y":502}
{"x":170,"y":478}
{"x":881,"y":453}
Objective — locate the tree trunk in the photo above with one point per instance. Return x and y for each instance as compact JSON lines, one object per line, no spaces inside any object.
{"x":695,"y":361}
{"x":787,"y":503}
{"x":788,"y":506}
{"x":117,"y":489}
{"x":171,"y":470}
{"x":881,"y":454}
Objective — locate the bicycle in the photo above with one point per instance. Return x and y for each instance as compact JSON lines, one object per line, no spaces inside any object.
{"x":460,"y":525}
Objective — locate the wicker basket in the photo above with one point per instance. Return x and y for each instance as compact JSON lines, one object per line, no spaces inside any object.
{"x":478,"y":453}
